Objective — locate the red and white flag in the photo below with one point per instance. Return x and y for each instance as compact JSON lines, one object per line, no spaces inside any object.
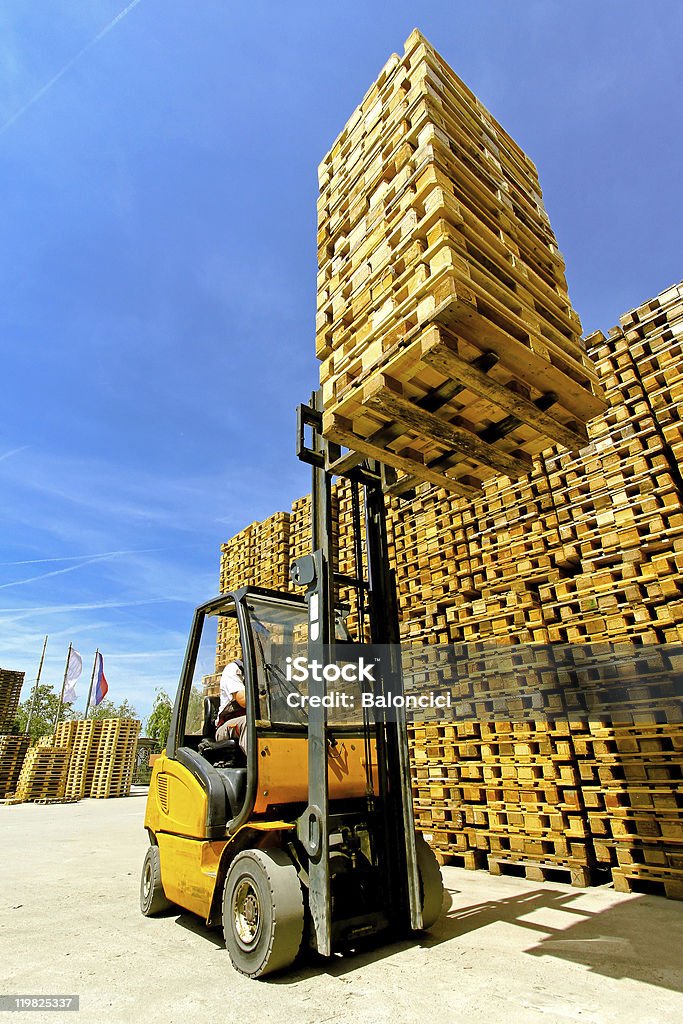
{"x":101,"y":684}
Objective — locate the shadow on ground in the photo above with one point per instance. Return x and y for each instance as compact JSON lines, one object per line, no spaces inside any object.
{"x":639,"y":938}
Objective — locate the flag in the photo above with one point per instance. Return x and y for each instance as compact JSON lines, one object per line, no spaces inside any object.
{"x":101,"y":684}
{"x":74,"y":667}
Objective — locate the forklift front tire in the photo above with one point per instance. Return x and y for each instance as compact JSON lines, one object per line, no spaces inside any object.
{"x":431,"y":883}
{"x":152,"y":897}
{"x":263,"y":912}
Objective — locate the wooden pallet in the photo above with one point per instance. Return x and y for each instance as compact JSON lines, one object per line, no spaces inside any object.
{"x":115,"y":758}
{"x":12,"y":753}
{"x":635,"y":880}
{"x":11,"y":683}
{"x":65,"y":734}
{"x":257,"y":556}
{"x":573,"y":873}
{"x":43,"y":774}
{"x":84,"y":752}
{"x":441,"y":227}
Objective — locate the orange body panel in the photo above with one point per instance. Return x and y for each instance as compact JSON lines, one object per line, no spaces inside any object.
{"x":283,"y":770}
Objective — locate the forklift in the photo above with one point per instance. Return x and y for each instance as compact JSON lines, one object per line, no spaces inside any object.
{"x":307,"y":842}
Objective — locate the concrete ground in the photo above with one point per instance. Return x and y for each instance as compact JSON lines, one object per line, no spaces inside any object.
{"x":506,"y":950}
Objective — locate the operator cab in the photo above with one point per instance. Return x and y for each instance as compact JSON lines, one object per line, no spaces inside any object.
{"x":262,"y":628}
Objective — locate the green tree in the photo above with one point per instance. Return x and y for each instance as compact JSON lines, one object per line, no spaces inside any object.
{"x":107,"y":709}
{"x":44,"y":712}
{"x":159,"y":721}
{"x":195,"y":711}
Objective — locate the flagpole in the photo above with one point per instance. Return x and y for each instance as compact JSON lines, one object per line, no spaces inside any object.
{"x":92,"y":680}
{"x":61,"y":695}
{"x":35,"y":689}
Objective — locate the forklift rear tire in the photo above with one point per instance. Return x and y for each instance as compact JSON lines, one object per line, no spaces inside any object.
{"x":431,"y":882}
{"x":263,"y":912}
{"x":152,"y":897}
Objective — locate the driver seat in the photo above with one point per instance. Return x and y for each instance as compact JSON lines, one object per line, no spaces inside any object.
{"x":209,"y":723}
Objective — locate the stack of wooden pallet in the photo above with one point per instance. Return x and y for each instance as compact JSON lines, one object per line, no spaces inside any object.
{"x":503,"y":794}
{"x":622,"y":497}
{"x":65,"y":734}
{"x":115,"y":758}
{"x":431,"y":556}
{"x":90,"y":758}
{"x":347,"y":561}
{"x":11,"y":683}
{"x":300,"y":536}
{"x":85,"y":743}
{"x":471,"y":570}
{"x":442,"y":302}
{"x":43,"y":775}
{"x":237,"y":560}
{"x":12,"y":753}
{"x":257,"y":556}
{"x":653,"y":336}
{"x":632,"y":786}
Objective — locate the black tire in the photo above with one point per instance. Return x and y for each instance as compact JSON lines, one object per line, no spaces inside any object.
{"x":431,"y":883}
{"x":263,"y":912}
{"x":152,"y":897}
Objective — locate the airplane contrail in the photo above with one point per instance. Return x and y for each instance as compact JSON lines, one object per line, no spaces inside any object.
{"x":61,"y":572}
{"x":79,"y":558}
{"x":67,"y":67}
{"x":14,"y":451}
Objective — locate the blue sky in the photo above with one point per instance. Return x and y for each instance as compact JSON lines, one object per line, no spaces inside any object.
{"x":157,"y":196}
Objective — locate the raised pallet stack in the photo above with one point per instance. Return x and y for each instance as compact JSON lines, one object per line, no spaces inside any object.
{"x":115,"y":758}
{"x":13,"y":750}
{"x":11,"y":683}
{"x":442,"y":302}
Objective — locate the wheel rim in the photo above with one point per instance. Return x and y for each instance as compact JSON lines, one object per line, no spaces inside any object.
{"x":147,"y":881}
{"x":246,"y":913}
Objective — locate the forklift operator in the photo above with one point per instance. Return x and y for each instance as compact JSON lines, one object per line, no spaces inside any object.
{"x":231,"y":720}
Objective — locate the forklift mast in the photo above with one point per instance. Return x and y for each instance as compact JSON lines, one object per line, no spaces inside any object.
{"x":374,"y":585}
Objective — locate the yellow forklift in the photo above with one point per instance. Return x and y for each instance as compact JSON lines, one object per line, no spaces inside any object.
{"x":307,"y":841}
